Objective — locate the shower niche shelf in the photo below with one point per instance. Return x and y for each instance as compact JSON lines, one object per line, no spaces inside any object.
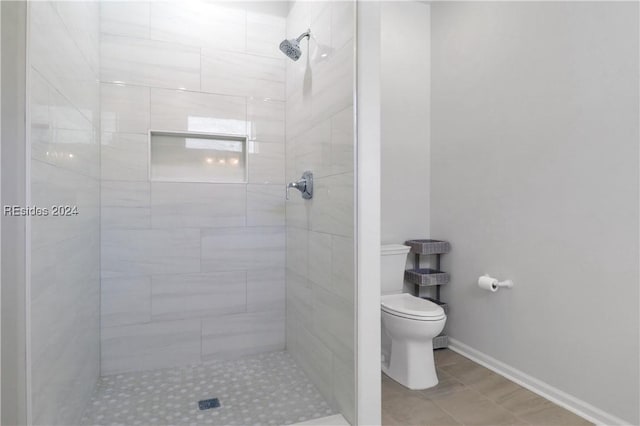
{"x":428,"y":280}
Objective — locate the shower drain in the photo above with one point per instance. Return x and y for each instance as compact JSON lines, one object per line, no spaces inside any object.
{"x":206,"y":404}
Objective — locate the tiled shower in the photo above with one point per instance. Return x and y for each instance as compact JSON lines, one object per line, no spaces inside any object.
{"x":179,"y":275}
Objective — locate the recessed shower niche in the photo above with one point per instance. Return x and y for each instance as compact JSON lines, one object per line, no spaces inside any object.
{"x":197,"y":157}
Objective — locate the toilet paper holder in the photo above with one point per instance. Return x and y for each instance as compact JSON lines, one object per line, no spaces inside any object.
{"x":487,"y":282}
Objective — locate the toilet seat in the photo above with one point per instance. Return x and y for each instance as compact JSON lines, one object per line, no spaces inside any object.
{"x":411,"y":307}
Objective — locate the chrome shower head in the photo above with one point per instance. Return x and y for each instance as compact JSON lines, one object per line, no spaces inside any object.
{"x":291,"y":47}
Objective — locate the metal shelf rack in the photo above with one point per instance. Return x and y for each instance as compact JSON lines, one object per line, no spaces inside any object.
{"x":424,"y":278}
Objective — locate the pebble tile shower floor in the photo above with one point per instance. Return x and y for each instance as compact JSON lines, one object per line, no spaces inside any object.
{"x":266,"y":389}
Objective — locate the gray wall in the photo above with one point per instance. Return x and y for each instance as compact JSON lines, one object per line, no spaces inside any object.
{"x":320,"y":247}
{"x":405,"y":130}
{"x":535,"y":178}
{"x":65,"y":170}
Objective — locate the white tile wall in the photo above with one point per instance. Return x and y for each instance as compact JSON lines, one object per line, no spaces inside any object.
{"x":265,"y":205}
{"x":199,"y":23}
{"x":242,"y":334}
{"x":245,"y":248}
{"x":134,"y":252}
{"x":125,"y":18}
{"x":124,"y":156}
{"x":265,"y":120}
{"x":149,"y":346}
{"x":234,"y":73}
{"x":125,"y":194}
{"x":320,"y":248}
{"x":266,"y":290}
{"x":266,"y":162}
{"x":124,"y":108}
{"x":197,"y":205}
{"x":264,"y":33}
{"x":180,"y":256}
{"x":125,"y":301}
{"x":179,"y":110}
{"x":149,"y":63}
{"x":65,"y":169}
{"x":198,"y":295}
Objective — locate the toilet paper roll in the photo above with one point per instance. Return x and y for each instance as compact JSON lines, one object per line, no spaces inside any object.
{"x":485,"y":282}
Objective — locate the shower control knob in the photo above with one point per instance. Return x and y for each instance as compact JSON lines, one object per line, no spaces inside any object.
{"x":304,"y":185}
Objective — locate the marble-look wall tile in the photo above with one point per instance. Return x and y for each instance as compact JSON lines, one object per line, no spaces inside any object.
{"x":320,"y":259}
{"x":343,"y":267}
{"x":315,"y":359}
{"x":200,"y":23}
{"x":197,"y":205}
{"x":125,"y":194}
{"x":342,"y":142}
{"x":64,"y":170}
{"x":265,"y":120}
{"x":312,"y":150}
{"x":299,"y":301}
{"x":242,"y":334}
{"x":232,"y":249}
{"x":333,"y":322}
{"x":134,"y":252}
{"x":125,"y":18}
{"x":80,"y":19}
{"x":265,"y":31}
{"x":266,"y":163}
{"x":124,"y":108}
{"x":125,"y":156}
{"x":149,"y":63}
{"x":342,"y":27}
{"x":332,"y":90}
{"x":266,"y":290}
{"x":150,"y":346}
{"x":55,"y":54}
{"x":298,"y":251}
{"x":240,"y":74}
{"x":179,"y":110}
{"x":298,"y":210}
{"x":332,"y":209}
{"x":125,"y":217}
{"x":211,"y":294}
{"x":61,"y":134}
{"x":212,"y":251}
{"x":125,"y":301}
{"x":320,"y":251}
{"x":265,"y":205}
{"x":344,"y":385}
{"x":320,"y":42}
{"x":299,"y":109}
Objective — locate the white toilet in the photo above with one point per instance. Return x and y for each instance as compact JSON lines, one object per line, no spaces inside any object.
{"x":409,"y":325}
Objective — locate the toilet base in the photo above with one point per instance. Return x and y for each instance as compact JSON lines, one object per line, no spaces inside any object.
{"x":412,"y":364}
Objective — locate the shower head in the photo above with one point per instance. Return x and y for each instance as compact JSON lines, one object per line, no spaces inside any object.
{"x":291,"y":47}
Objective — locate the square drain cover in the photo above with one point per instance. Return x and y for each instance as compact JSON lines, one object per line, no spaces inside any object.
{"x":206,"y":404}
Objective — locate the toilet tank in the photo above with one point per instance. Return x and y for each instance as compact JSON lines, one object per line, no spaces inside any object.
{"x":392,"y":264}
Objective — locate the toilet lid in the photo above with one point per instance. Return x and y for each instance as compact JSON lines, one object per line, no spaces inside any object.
{"x":406,"y":304}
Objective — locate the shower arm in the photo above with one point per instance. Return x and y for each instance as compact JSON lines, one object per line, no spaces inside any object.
{"x":303,"y":35}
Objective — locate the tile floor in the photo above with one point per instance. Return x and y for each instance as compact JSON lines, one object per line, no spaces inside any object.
{"x":266,"y":389}
{"x":469,"y":394}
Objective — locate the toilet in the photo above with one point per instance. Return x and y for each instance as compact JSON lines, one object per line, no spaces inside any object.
{"x":409,"y":324}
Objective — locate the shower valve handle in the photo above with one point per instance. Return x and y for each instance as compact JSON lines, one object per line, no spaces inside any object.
{"x":304,"y":185}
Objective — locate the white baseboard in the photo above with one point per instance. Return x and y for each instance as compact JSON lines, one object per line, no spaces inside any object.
{"x":563,"y":399}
